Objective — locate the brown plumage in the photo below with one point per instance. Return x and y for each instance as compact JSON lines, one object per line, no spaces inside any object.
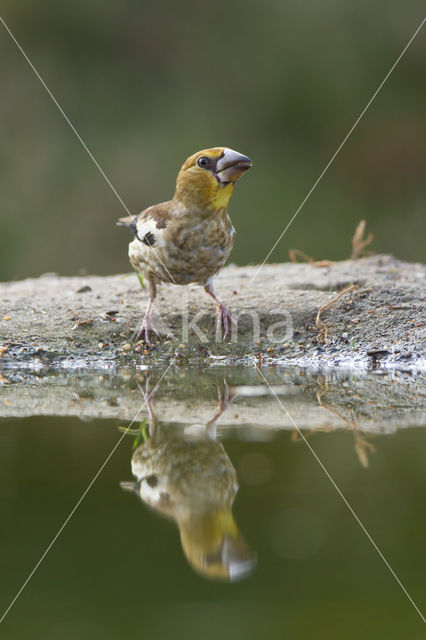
{"x":189,"y":238}
{"x":189,"y":478}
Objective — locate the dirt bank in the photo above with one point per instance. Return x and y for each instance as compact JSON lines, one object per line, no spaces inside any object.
{"x":71,"y":323}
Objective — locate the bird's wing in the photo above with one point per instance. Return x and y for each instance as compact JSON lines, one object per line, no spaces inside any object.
{"x":149,"y":225}
{"x":152,"y":224}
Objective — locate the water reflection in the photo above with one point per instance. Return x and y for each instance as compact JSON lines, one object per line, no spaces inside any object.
{"x":363,"y":447}
{"x":187,"y":476}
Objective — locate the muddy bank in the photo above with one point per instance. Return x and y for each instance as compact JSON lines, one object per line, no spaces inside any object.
{"x":88,"y":322}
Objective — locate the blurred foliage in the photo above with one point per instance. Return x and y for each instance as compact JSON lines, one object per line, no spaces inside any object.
{"x":147,"y":84}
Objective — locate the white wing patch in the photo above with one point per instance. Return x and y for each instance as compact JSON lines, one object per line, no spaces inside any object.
{"x":149,"y":233}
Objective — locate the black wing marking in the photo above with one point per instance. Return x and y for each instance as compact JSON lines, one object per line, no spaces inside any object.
{"x":147,"y":226}
{"x":148,"y":239}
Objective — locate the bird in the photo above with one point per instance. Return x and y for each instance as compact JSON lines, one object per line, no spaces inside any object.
{"x":189,"y":238}
{"x":188,"y":477}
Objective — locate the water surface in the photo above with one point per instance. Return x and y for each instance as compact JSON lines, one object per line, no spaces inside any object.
{"x":239,"y":533}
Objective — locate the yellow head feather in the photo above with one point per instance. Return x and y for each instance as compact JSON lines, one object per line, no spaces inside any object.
{"x":199,"y":188}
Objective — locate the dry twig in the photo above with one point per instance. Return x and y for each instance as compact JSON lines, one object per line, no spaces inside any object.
{"x":359,"y":242}
{"x":362,"y":448}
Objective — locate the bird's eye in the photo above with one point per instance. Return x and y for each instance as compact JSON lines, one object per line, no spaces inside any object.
{"x":203,"y":162}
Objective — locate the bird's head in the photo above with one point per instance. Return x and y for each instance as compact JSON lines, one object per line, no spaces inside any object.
{"x":207,"y":179}
{"x":214,"y":545}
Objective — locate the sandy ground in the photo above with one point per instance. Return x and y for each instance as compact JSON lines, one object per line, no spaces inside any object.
{"x":88,"y":322}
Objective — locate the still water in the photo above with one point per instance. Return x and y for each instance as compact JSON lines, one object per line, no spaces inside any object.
{"x":213,"y":519}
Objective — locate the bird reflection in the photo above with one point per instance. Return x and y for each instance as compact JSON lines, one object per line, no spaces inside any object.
{"x":189,"y":478}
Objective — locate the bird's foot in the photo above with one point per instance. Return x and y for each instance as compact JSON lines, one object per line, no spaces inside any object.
{"x":225,"y":399}
{"x":147,"y":326}
{"x":224,"y":318}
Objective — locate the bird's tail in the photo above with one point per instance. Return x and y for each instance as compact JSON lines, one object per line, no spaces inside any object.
{"x":130,"y":222}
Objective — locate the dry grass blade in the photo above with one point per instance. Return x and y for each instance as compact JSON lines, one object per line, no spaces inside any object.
{"x":294,"y":253}
{"x":321,"y":326}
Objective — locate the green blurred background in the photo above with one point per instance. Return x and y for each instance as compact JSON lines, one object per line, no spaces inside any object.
{"x":147,"y":84}
{"x":117,"y":572}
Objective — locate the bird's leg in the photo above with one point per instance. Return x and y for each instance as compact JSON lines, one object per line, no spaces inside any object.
{"x":223,"y":403}
{"x":223,"y":315}
{"x":148,"y":396}
{"x":147,"y":324}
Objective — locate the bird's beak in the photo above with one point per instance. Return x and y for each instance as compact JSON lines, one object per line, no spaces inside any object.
{"x":231,"y":166}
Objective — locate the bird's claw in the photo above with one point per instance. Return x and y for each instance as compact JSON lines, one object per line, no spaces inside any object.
{"x":225,"y":399}
{"x":224,"y":318}
{"x":147,"y":326}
